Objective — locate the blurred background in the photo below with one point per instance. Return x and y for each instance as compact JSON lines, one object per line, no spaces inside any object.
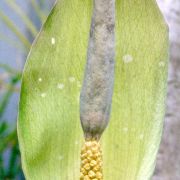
{"x":20,"y":22}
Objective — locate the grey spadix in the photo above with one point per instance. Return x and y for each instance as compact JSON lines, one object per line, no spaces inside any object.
{"x":97,"y":89}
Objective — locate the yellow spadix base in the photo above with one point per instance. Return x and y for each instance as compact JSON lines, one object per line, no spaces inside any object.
{"x":91,"y":161}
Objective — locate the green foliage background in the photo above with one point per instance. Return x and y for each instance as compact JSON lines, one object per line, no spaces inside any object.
{"x":10,"y":165}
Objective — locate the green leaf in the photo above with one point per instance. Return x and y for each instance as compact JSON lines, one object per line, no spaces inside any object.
{"x":49,"y":129}
{"x":17,"y":45}
{"x":26,"y":20}
{"x":38,"y":10}
{"x":10,"y":24}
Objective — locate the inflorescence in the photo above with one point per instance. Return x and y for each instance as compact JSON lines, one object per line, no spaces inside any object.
{"x":91,"y":161}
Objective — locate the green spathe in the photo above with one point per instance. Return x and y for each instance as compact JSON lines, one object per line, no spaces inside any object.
{"x":49,"y":128}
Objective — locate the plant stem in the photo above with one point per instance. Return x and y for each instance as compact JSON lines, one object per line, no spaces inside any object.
{"x":24,"y":17}
{"x":38,"y":10}
{"x":6,"y":98}
{"x":9,"y":69}
{"x":15,"y":30}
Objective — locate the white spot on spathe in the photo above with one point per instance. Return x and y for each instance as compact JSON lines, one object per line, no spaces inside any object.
{"x":40,"y":79}
{"x":53,"y":40}
{"x":60,"y":158}
{"x":127,"y":58}
{"x":133,"y":129}
{"x":78,"y":84}
{"x":60,"y":86}
{"x":72,"y":79}
{"x":78,"y":97}
{"x":43,"y":95}
{"x":76,"y":142}
{"x":161,"y":64}
{"x":125,"y":129}
{"x":141,"y":137}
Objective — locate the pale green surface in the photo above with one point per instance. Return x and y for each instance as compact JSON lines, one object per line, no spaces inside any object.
{"x":49,"y":127}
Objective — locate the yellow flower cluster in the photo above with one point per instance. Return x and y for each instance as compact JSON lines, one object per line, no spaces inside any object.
{"x":91,"y":161}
